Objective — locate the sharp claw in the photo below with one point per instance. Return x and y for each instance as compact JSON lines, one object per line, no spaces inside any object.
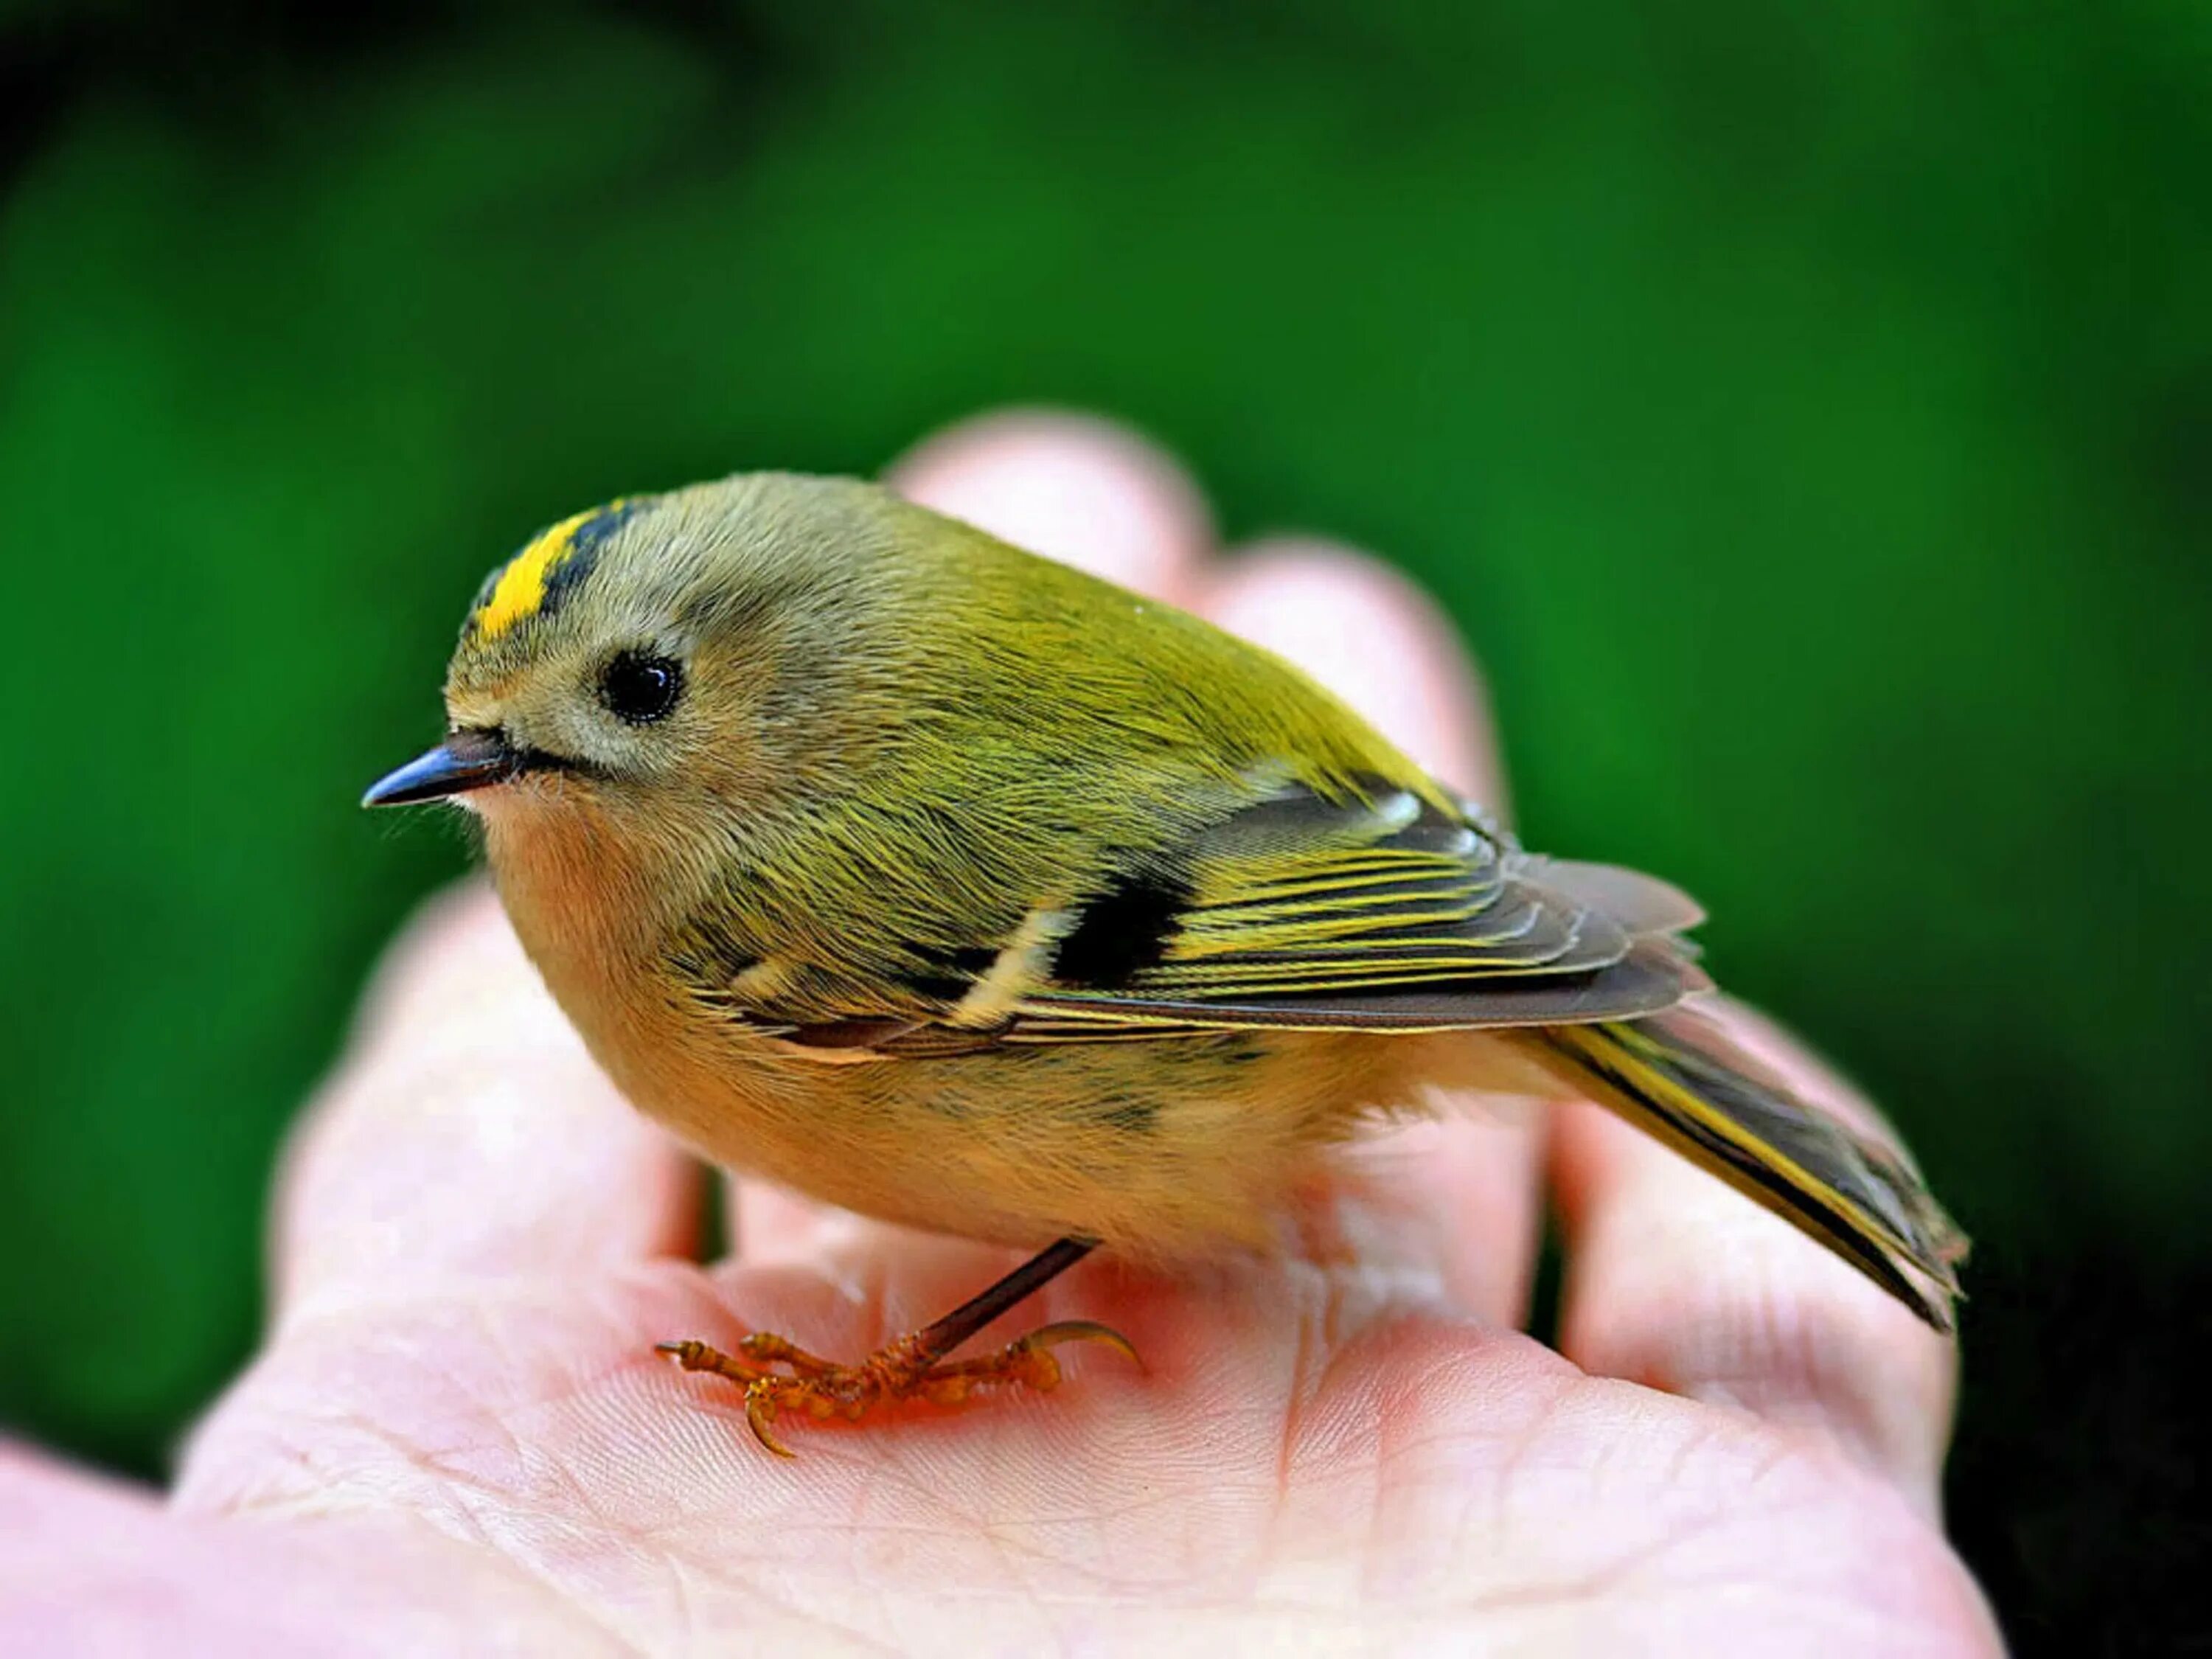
{"x":1084,"y":1330}
{"x":900,"y":1371}
{"x":760,"y":1414}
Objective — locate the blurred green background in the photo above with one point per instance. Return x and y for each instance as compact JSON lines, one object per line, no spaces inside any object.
{"x":1806,"y":410}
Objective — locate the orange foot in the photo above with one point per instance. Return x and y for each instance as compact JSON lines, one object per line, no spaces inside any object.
{"x":905,"y":1370}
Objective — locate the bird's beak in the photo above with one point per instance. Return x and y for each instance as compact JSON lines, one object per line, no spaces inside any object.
{"x":465,"y":760}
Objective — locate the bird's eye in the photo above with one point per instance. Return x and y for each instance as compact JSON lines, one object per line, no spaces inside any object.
{"x":640,"y":687}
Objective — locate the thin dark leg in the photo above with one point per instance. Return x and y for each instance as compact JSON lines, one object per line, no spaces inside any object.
{"x":933,"y":1341}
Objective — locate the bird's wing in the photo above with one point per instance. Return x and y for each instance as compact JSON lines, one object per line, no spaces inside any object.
{"x":1359,"y":912}
{"x":1379,"y":911}
{"x":1371,"y":910}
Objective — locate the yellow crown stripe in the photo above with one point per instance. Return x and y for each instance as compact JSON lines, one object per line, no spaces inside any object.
{"x":521,"y":591}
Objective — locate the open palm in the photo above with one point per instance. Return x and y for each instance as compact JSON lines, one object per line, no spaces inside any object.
{"x":458,"y":1438}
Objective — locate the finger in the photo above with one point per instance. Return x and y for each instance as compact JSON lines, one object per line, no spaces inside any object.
{"x":1377,"y":642}
{"x":467,"y":1132}
{"x":41,"y":1496}
{"x":82,"y":1548}
{"x":95,"y":1566}
{"x":1085,"y":491}
{"x":1676,"y":1280}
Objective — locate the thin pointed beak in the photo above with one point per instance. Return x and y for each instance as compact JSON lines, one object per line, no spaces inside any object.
{"x":465,"y":760}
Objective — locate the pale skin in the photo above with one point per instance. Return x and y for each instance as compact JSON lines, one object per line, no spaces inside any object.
{"x":457,"y":1437}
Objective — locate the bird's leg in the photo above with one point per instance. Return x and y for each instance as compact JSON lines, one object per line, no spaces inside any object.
{"x":913,"y":1367}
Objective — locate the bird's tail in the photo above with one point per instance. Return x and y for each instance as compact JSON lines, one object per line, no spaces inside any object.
{"x":1678,"y":1076}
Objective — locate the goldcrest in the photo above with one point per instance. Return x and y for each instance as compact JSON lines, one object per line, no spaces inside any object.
{"x":949,"y":885}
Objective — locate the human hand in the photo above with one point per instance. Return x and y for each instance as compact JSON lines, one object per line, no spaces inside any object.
{"x":458,"y":1437}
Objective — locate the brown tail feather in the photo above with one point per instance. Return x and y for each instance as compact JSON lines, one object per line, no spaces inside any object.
{"x":1678,"y":1076}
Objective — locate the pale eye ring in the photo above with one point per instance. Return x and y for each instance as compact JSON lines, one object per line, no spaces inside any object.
{"x":640,"y":687}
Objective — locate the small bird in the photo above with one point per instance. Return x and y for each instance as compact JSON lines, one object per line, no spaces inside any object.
{"x":947,"y":883}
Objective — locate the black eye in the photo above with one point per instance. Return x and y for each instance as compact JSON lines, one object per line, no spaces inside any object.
{"x":639,"y":687}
